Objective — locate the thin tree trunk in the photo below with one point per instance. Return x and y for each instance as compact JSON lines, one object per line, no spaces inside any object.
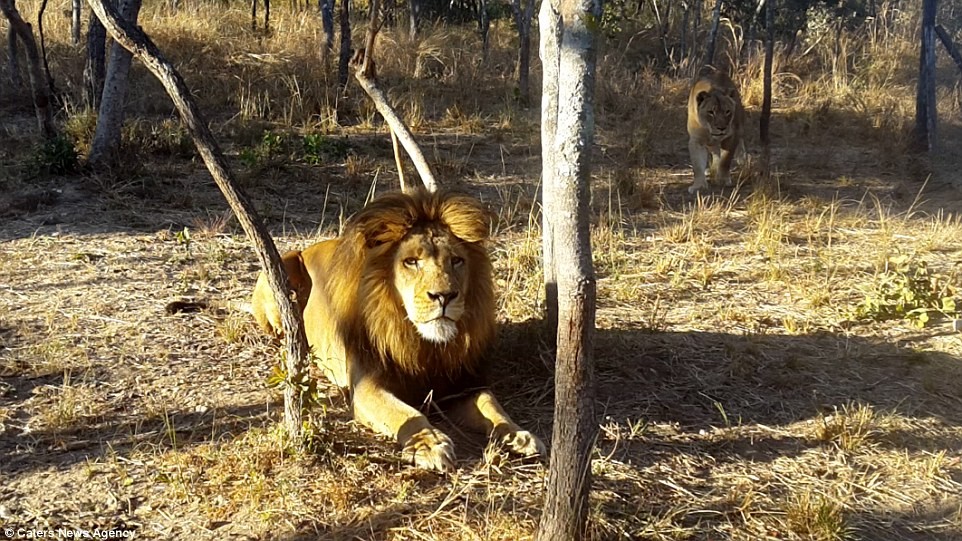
{"x":365,"y":73}
{"x":484,"y":27}
{"x":94,"y":71}
{"x":344,"y":59}
{"x":713,"y":33}
{"x":38,"y":83}
{"x":925,"y":107}
{"x":267,"y":16}
{"x":522,"y":18}
{"x":253,"y":14}
{"x":764,"y":122}
{"x":76,"y":9}
{"x":110,"y":120}
{"x":43,"y":47}
{"x":132,"y":38}
{"x":946,"y":40}
{"x":549,"y":23}
{"x":13,"y":61}
{"x":575,"y":426}
{"x":415,"y":16}
{"x":327,"y":24}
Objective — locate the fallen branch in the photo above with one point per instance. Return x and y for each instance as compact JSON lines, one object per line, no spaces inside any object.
{"x":946,"y":40}
{"x":136,"y":41}
{"x":366,"y":75}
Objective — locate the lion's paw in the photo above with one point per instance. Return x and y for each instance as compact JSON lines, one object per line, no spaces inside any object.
{"x":430,"y":449}
{"x":524,"y":443}
{"x":695,"y":188}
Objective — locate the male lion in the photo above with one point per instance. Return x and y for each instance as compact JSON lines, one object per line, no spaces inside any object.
{"x":399,"y":310}
{"x":715,"y":123}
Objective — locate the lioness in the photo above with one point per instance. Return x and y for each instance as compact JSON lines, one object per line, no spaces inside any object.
{"x":716,"y":121}
{"x":400,"y":310}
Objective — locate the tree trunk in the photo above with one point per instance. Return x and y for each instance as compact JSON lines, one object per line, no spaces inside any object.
{"x":38,"y":83}
{"x":76,"y":9}
{"x":327,"y":24}
{"x":764,"y":122}
{"x":94,"y":67}
{"x":13,"y":61}
{"x":549,"y":24}
{"x":484,"y":27}
{"x":415,"y":18}
{"x":43,"y":48}
{"x":110,"y":120}
{"x":253,"y":14}
{"x":344,"y":60}
{"x":713,"y":34}
{"x":132,"y":38}
{"x":522,"y":18}
{"x":925,"y":107}
{"x":946,"y":40}
{"x":575,"y":427}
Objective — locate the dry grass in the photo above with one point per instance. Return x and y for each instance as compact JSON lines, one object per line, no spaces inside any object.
{"x":741,"y":396}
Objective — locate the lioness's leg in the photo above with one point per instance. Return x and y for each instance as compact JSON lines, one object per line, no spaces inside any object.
{"x":481,"y":411}
{"x":724,"y":167}
{"x":421,"y":443}
{"x":699,"y":163}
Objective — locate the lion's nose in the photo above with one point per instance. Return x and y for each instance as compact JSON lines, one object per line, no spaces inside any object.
{"x":444,"y":298}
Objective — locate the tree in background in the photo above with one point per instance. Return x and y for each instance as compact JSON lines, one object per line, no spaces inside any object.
{"x":20,"y":31}
{"x":925,"y":111}
{"x":95,"y":60}
{"x":569,"y":37}
{"x":110,"y":119}
{"x":522,"y":18}
{"x":764,"y":123}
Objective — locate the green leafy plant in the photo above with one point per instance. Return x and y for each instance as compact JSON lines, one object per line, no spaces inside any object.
{"x":320,"y":148}
{"x":267,"y":149}
{"x":906,"y":289}
{"x":56,"y":156}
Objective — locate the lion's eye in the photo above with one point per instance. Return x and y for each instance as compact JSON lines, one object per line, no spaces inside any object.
{"x":457,"y":261}
{"x":411,"y":262}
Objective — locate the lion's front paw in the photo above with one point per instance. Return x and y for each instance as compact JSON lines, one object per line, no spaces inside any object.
{"x":430,"y":449}
{"x":522,"y":442}
{"x":697,"y":186}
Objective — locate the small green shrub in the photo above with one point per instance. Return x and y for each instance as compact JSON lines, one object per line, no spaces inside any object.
{"x":320,"y":148}
{"x":908,"y":290}
{"x":268,"y":149}
{"x":56,"y":156}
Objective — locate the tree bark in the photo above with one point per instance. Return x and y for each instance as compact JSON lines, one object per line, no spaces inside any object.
{"x":926,"y":114}
{"x":43,"y":48}
{"x":13,"y":61}
{"x":713,"y":33}
{"x":549,"y":23}
{"x":522,"y":18}
{"x":344,"y":60}
{"x":76,"y":9}
{"x":38,"y":83}
{"x":327,"y":25}
{"x":764,"y":123}
{"x":946,"y":40}
{"x":133,"y":39}
{"x":575,"y":426}
{"x":110,"y":120}
{"x":94,"y":71}
{"x":484,"y":27}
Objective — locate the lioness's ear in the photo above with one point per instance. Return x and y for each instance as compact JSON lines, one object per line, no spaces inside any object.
{"x":466,"y":217}
{"x":700,"y":97}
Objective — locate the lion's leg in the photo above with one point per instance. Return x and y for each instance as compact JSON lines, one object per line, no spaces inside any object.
{"x":699,"y":163}
{"x":724,"y":166}
{"x":421,"y":443}
{"x":481,"y":411}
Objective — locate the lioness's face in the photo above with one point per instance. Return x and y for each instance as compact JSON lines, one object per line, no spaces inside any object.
{"x":717,"y":111}
{"x":431,"y":274}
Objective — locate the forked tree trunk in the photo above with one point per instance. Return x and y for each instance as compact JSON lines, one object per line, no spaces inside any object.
{"x":94,"y":66}
{"x":38,"y":83}
{"x":522,"y":18}
{"x":713,"y":34}
{"x":110,"y":119}
{"x":133,"y":39}
{"x":925,"y":107}
{"x":76,"y":9}
{"x":764,"y":123}
{"x":567,"y":182}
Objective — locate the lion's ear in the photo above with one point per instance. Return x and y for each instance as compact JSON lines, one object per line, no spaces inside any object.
{"x":383,"y":221}
{"x":700,"y":97}
{"x":466,"y":217}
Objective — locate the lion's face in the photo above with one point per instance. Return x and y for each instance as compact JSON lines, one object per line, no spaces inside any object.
{"x":716,"y":110}
{"x":431,"y":276}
